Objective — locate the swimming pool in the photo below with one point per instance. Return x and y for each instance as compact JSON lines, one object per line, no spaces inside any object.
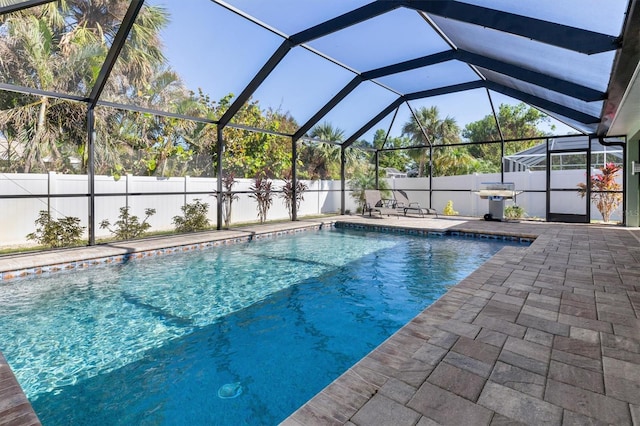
{"x":243,"y":334}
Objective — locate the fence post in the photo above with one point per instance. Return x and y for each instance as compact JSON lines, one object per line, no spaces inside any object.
{"x":186,"y":181}
{"x":128,"y":182}
{"x":51,"y":189}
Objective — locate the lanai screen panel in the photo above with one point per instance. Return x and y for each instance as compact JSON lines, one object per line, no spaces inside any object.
{"x":431,"y":77}
{"x":364,"y":103}
{"x":588,"y":70}
{"x":13,"y":2}
{"x":57,"y":50}
{"x":393,"y":37}
{"x":591,"y":108}
{"x":575,"y":124}
{"x":301,"y":84}
{"x":449,"y":105}
{"x":293,"y":16}
{"x":603,"y":16}
{"x":203,"y":47}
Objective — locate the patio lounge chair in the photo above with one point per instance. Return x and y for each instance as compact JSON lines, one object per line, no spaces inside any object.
{"x":375,"y":203}
{"x":402,"y":202}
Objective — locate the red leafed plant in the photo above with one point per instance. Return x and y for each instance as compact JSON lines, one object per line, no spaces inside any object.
{"x":603,"y":185}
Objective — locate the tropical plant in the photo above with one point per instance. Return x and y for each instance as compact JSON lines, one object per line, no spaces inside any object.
{"x":261,"y":188}
{"x":513,"y":212}
{"x":448,"y":209}
{"x":438,"y":132}
{"x":453,"y":161}
{"x":60,"y":47}
{"x":128,"y":226}
{"x":248,"y":153}
{"x":288,"y":194}
{"x":56,"y":233}
{"x":321,"y":160}
{"x":397,"y":159}
{"x":194,"y":217}
{"x":227,"y":197}
{"x":604,"y":190}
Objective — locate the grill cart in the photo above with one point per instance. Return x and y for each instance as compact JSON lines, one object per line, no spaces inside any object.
{"x":497,"y":193}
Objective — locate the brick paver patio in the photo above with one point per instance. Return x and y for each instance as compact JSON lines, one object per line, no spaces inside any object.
{"x":546,"y":334}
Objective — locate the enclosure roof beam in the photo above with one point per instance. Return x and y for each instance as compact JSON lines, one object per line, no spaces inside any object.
{"x":530,"y":99}
{"x":400,"y":100}
{"x":112,"y":56}
{"x":424,"y":61}
{"x":477,"y":84}
{"x":345,"y":20}
{"x":539,"y":79}
{"x":40,"y":92}
{"x":543,"y":103}
{"x":327,"y":107}
{"x":572,"y":38}
{"x":23,"y":5}
{"x":144,"y":110}
{"x":253,"y":85}
{"x":369,"y":75}
{"x":364,"y":129}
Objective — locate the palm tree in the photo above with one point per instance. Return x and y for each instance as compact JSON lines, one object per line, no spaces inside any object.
{"x":60,"y":47}
{"x":31,"y":57}
{"x":452,"y":161}
{"x":322,"y":159}
{"x":439,"y":132}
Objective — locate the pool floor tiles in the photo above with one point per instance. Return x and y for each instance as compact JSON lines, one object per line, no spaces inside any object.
{"x":548,"y":334}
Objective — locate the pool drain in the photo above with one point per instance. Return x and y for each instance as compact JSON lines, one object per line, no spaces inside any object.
{"x":230,"y":390}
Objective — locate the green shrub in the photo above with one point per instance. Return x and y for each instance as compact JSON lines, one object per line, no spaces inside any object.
{"x":56,"y":233}
{"x":194,"y":217}
{"x":128,"y":226}
{"x":513,"y":212}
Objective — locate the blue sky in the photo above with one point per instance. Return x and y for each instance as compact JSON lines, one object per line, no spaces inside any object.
{"x":219,"y":51}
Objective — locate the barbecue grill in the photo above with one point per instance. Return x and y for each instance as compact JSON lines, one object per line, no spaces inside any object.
{"x":497,"y":193}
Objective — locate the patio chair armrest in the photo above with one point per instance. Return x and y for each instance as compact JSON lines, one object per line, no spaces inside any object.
{"x":387,"y":202}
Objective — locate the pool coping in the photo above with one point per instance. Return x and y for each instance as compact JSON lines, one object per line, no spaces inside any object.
{"x":45,"y":263}
{"x":11,"y":395}
{"x":50,"y":262}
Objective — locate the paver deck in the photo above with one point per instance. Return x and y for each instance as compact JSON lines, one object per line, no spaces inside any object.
{"x":545,"y":334}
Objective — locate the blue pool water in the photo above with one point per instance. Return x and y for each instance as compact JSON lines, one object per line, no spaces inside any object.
{"x":155,"y":341}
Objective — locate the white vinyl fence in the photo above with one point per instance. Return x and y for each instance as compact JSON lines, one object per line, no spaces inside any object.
{"x":17,"y":215}
{"x":461,"y":190}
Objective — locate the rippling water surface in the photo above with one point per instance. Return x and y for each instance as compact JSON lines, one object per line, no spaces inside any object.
{"x":233,"y":335}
